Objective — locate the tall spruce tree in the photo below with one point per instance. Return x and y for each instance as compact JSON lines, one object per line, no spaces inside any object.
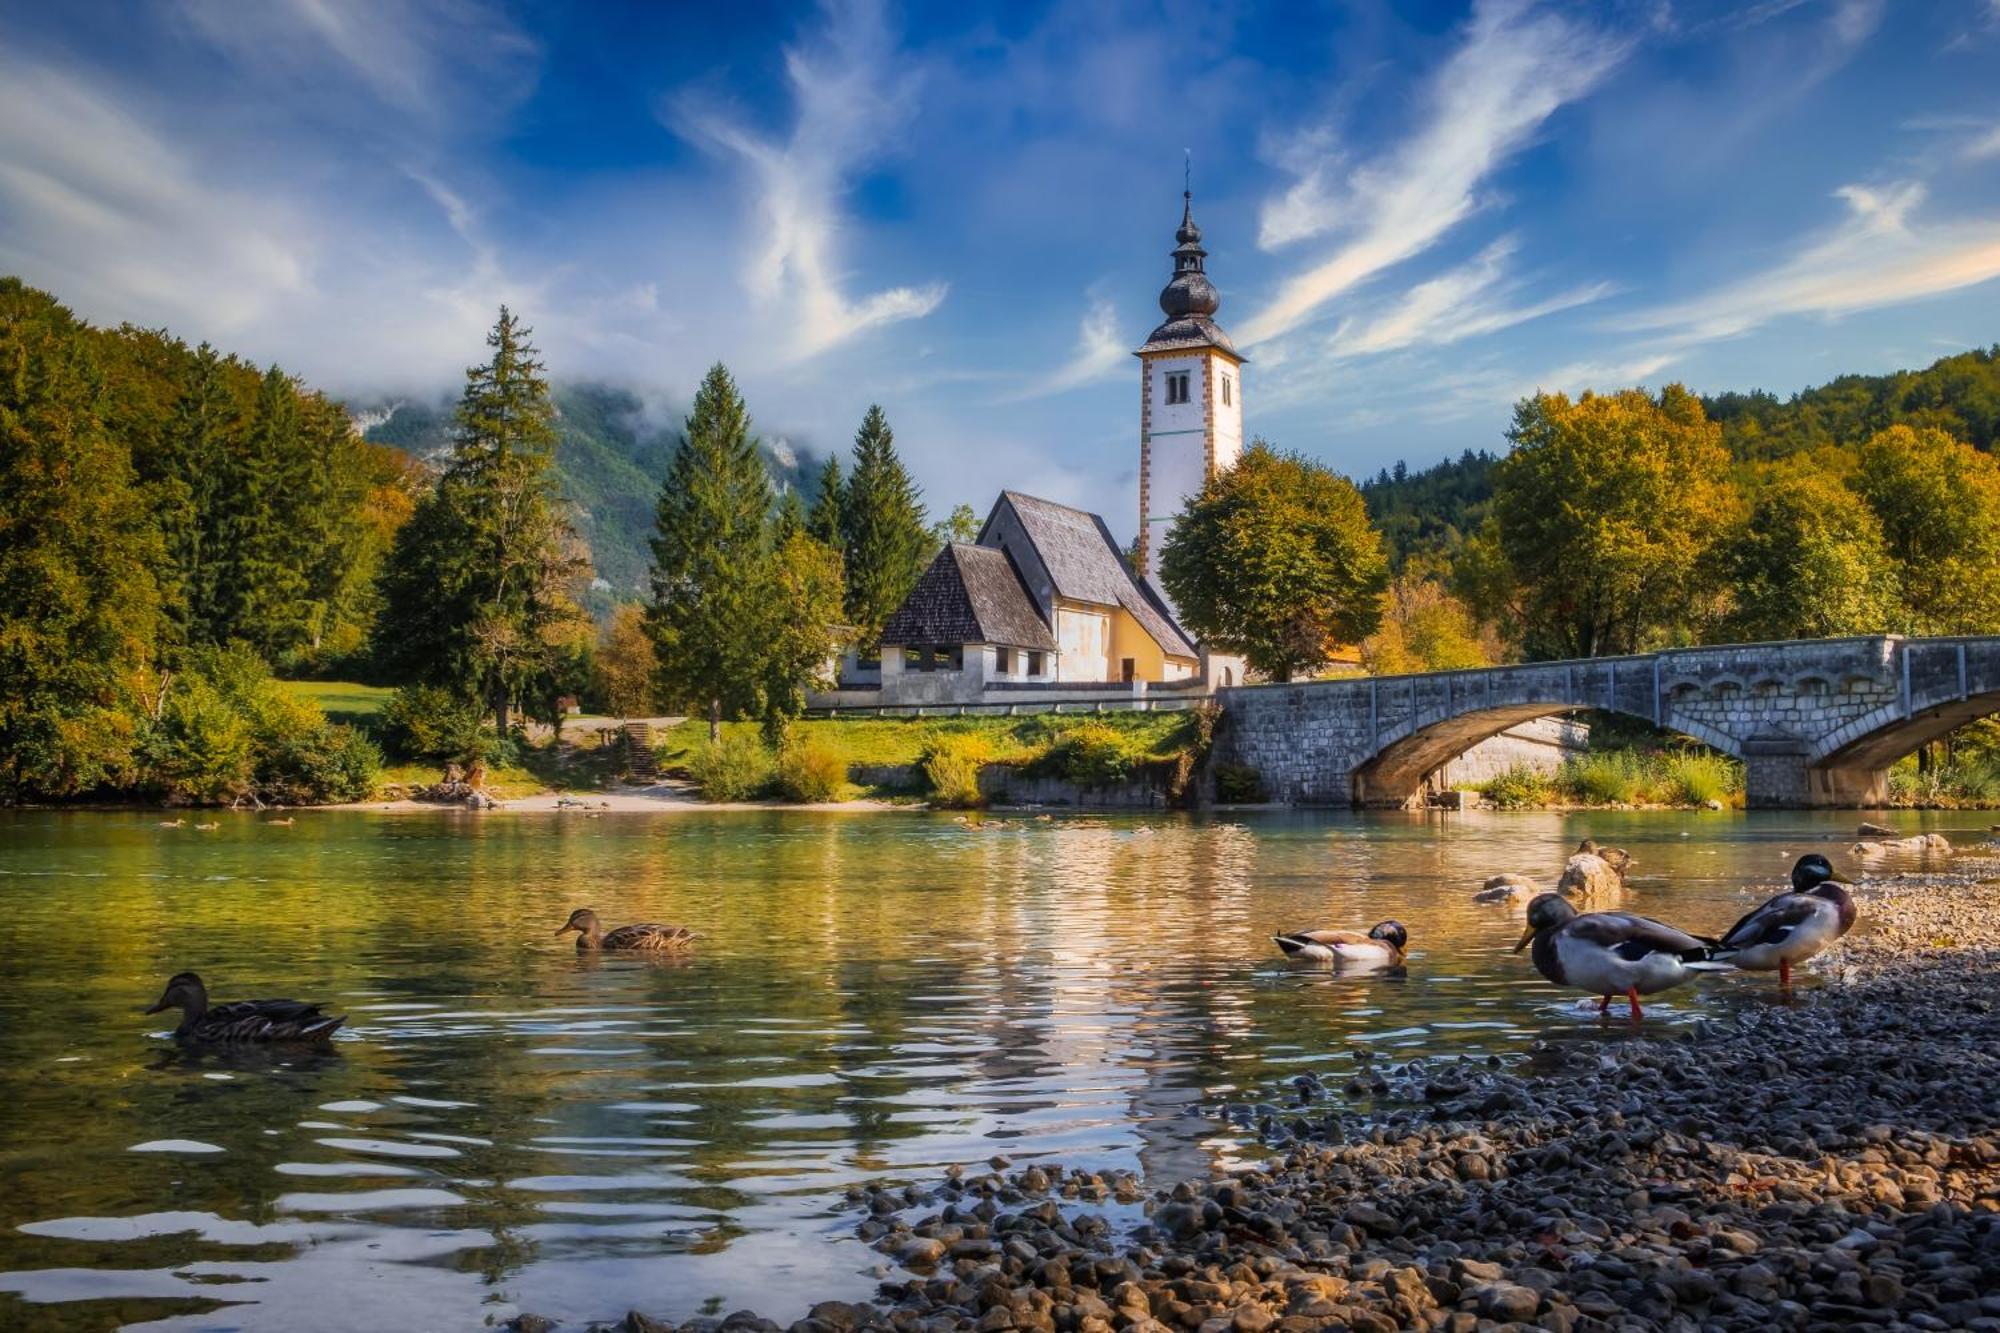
{"x":884,"y":537}
{"x":79,"y":608}
{"x":711,"y":558}
{"x":790,"y":518}
{"x":477,"y":591}
{"x":201,"y":443}
{"x":263,"y":548}
{"x":824,"y":522}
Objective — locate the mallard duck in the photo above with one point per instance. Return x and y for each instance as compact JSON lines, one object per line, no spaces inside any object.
{"x":1611,"y":953}
{"x":286,"y":822}
{"x":1794,"y":926}
{"x":647,"y":935}
{"x":206,"y":828}
{"x":172,"y":823}
{"x":242,"y":1020}
{"x":1617,"y":858}
{"x":1382,"y":946}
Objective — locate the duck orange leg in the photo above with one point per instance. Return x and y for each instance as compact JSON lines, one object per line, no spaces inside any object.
{"x":1784,"y":974}
{"x":1632,"y":994}
{"x":1604,"y":1005}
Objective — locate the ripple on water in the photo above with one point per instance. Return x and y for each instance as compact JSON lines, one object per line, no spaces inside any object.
{"x":368,"y":1201}
{"x":193,"y":1147}
{"x":390,"y":1147}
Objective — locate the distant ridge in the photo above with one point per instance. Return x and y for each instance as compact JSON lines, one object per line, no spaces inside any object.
{"x":610,"y":459}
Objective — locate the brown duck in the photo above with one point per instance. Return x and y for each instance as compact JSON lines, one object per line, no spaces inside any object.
{"x":643,"y":935}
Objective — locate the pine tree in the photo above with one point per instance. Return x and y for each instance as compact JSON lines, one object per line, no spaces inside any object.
{"x":804,"y":602}
{"x":790,"y":518}
{"x":711,"y":550}
{"x":200,"y":444}
{"x":477,"y":593}
{"x":263,"y":548}
{"x":825,"y":523}
{"x":78,"y":601}
{"x":884,"y":537}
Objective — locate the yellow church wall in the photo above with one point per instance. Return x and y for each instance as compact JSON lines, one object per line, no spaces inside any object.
{"x":1149,"y":662}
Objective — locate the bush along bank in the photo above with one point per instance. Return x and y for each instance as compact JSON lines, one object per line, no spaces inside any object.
{"x":1690,"y":778}
{"x":1830,"y":1164}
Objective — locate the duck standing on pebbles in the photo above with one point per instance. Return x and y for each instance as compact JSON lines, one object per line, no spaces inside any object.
{"x":1794,"y":926}
{"x":642,"y":936}
{"x":264,"y":1021}
{"x":1611,"y":953}
{"x":1382,"y":946}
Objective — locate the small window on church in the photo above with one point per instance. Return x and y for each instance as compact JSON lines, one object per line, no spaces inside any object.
{"x":1034,"y":664}
{"x":1177,"y":388}
{"x":1003,"y":660}
{"x":1225,"y":390}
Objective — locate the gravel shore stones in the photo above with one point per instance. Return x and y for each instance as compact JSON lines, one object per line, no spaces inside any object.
{"x":1833,"y":1162}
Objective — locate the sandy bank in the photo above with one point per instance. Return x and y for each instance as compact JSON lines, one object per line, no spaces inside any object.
{"x":660,"y":798}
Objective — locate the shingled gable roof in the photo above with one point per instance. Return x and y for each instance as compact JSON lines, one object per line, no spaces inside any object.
{"x":1085,"y":565}
{"x":970,"y":594}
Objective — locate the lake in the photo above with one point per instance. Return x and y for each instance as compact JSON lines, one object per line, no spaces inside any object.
{"x":506,"y":1125}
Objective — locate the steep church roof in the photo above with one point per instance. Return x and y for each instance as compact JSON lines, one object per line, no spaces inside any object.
{"x":1190,"y":300}
{"x":1085,"y":565}
{"x":970,"y":594}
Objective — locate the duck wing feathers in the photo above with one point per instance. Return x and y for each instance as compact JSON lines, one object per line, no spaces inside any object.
{"x":1330,"y":938}
{"x":1774,"y":922}
{"x":264,"y":1020}
{"x":648,"y":935}
{"x":1633,"y":937}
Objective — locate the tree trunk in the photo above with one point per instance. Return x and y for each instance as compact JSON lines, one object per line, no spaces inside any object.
{"x":500,"y":713}
{"x":714,"y":721}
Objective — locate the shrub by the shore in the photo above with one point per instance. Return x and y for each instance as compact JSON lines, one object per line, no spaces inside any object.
{"x":1620,"y":777}
{"x":810,"y":771}
{"x":951,"y":767}
{"x":428,"y":722}
{"x":227,"y":732}
{"x":735,"y":768}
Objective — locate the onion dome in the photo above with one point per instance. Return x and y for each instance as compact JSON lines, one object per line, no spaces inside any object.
{"x":1189,"y":300}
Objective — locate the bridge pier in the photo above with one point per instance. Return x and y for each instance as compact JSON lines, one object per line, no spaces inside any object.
{"x":1778,"y":776}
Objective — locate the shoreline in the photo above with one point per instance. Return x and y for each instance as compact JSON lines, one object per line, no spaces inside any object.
{"x":1830,"y":1161}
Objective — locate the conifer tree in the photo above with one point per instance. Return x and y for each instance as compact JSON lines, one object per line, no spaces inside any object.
{"x":199,"y":444}
{"x":790,"y":518}
{"x":884,"y":537}
{"x":825,"y":523}
{"x":711,"y":551}
{"x":477,"y":592}
{"x":262,"y":547}
{"x":78,"y":601}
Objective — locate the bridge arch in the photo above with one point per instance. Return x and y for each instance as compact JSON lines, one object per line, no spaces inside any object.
{"x":1878,"y":739}
{"x":1410,"y":751}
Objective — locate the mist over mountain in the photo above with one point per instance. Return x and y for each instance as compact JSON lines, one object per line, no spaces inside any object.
{"x":612,"y":453}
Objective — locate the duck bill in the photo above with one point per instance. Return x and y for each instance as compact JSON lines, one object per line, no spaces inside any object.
{"x":1526,"y":936}
{"x":156,"y":1008}
{"x":569,"y":926}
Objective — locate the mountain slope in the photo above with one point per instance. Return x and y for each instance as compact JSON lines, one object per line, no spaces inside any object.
{"x":610,"y":457}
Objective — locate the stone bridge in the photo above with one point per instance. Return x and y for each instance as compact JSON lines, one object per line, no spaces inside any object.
{"x":1816,"y":722}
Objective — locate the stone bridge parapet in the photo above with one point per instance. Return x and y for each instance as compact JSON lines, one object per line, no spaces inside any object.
{"x":1816,"y":722}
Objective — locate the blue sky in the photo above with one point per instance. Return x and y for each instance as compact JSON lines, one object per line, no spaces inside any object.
{"x":1416,"y":213}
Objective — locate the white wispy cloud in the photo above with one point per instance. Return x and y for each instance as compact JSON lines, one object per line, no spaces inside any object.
{"x":1475,"y":298}
{"x":428,"y":58}
{"x":1100,"y":352}
{"x":1984,"y":145}
{"x":106,"y":211}
{"x":1881,"y":254}
{"x":1516,"y":67}
{"x":851,"y":94}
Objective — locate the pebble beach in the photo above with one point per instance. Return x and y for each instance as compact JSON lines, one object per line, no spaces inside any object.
{"x":1827,"y":1161}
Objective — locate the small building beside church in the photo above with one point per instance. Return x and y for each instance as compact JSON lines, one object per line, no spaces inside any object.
{"x":1042,"y":599}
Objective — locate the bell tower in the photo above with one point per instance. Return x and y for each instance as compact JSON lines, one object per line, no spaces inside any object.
{"x":1190,"y":394}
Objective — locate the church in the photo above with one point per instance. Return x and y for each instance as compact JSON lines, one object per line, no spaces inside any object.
{"x":1044,"y":602}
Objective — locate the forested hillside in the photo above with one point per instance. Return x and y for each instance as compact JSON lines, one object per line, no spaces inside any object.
{"x":611,"y":453}
{"x":1435,"y":508}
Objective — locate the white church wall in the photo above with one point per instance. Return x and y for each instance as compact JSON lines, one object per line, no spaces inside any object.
{"x":1083,"y":639}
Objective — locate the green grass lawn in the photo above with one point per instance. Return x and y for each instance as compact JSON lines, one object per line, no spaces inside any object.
{"x":342,"y":700}
{"x":902,"y":740}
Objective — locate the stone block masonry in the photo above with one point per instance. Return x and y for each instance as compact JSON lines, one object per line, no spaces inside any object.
{"x":1817,"y":723}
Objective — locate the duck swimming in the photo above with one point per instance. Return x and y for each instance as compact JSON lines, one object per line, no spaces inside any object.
{"x":1794,"y":926}
{"x":1611,"y":953}
{"x":644,"y":935}
{"x":242,"y":1020}
{"x":1382,"y":946}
